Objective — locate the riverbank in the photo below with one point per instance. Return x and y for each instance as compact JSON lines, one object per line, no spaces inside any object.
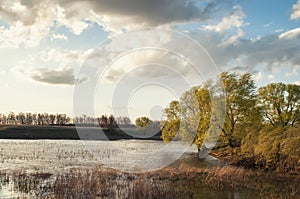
{"x":70,"y":133}
{"x":286,"y":167}
{"x":272,"y":149}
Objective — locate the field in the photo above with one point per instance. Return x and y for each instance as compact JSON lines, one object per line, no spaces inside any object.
{"x":70,"y":133}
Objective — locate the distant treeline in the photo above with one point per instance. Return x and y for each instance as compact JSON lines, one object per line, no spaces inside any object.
{"x":34,"y":119}
{"x":104,"y":121}
{"x":45,"y":119}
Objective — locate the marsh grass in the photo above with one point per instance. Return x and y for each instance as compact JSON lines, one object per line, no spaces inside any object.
{"x":180,"y":181}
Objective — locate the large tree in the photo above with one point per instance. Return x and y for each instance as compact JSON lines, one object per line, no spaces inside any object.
{"x":280,"y":103}
{"x":189,"y":118}
{"x":228,"y":105}
{"x":241,"y":106}
{"x":196,"y":115}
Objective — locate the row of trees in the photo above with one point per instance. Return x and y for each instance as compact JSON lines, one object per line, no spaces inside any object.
{"x":110,"y":122}
{"x":62,"y":119}
{"x":34,"y":119}
{"x":104,"y":121}
{"x":245,"y":108}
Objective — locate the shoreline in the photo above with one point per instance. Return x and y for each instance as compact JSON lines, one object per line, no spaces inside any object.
{"x":248,"y":165}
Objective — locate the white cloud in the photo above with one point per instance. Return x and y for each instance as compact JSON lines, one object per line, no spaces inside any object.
{"x":296,"y":11}
{"x":157,"y":54}
{"x":59,"y":36}
{"x":290,"y":34}
{"x":149,"y":64}
{"x":233,"y":39}
{"x":63,"y":76}
{"x":63,"y":57}
{"x":279,"y":30}
{"x":139,"y":13}
{"x":297,"y":83}
{"x":53,"y":66}
{"x":256,"y":38}
{"x":59,"y":76}
{"x":267,"y":51}
{"x":268,"y":24}
{"x":28,"y":22}
{"x":234,"y":21}
{"x":270,"y":76}
{"x":76,"y":22}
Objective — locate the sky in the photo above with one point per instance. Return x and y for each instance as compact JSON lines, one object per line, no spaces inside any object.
{"x":46,"y":46}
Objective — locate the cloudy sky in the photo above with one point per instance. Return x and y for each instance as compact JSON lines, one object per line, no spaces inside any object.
{"x":44,"y":44}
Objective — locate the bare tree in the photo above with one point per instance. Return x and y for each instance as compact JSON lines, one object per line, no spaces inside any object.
{"x":12,"y":118}
{"x":21,"y":118}
{"x":29,"y":119}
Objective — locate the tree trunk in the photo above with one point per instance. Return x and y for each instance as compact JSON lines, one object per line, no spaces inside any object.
{"x":202,"y":153}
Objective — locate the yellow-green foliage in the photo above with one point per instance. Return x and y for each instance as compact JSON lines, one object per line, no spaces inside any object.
{"x":274,"y":147}
{"x":291,"y":144}
{"x":280,"y":103}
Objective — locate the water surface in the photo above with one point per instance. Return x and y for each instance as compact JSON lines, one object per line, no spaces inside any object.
{"x":45,"y":169}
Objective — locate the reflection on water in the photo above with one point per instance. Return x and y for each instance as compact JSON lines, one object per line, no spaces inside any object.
{"x":66,"y":169}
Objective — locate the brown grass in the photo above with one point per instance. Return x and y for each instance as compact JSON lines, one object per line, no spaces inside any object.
{"x":181,"y":181}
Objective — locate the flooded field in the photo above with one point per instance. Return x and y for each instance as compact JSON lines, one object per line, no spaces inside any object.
{"x":97,"y":169}
{"x":61,"y":155}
